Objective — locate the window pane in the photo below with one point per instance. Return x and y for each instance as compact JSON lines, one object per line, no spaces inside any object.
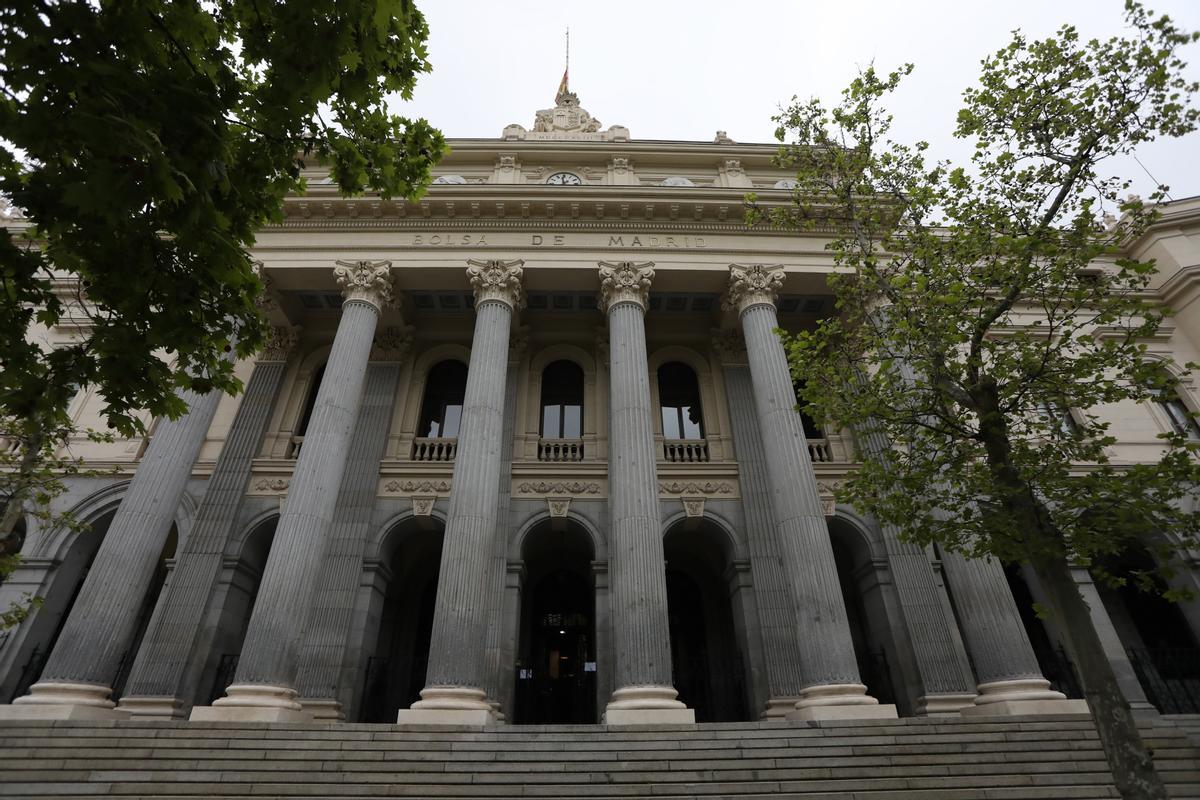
{"x":691,"y":423}
{"x":452,"y":419}
{"x":572,"y":422}
{"x":670,"y":420}
{"x":550,"y":421}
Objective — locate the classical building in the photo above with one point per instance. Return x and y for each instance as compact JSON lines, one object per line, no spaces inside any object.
{"x":526,"y":450}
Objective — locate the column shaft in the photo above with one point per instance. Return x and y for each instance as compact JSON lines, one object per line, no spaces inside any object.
{"x":772,"y":594}
{"x":637,"y":569}
{"x":102,"y":621}
{"x":319,"y":679}
{"x":828,"y":655}
{"x":170,"y":649}
{"x":456,"y":651}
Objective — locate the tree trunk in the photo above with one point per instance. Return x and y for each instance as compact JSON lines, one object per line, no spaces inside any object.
{"x":1132,"y":769}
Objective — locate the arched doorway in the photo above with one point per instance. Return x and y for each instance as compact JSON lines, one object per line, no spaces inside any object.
{"x":242,"y":580}
{"x":395,"y":671}
{"x":706,"y":657}
{"x":556,"y":657}
{"x":1160,"y":644}
{"x":866,"y":611}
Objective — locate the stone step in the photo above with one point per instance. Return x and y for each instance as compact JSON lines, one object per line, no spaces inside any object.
{"x":906,"y":759}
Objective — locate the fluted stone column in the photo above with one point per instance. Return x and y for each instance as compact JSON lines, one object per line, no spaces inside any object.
{"x":832,"y":687}
{"x":776,"y":612}
{"x":948,"y":686}
{"x":456,"y":678}
{"x":637,"y":569}
{"x":1010,"y":679}
{"x":77,"y":680}
{"x":264,"y":685}
{"x":169,"y":657}
{"x":320,"y":680}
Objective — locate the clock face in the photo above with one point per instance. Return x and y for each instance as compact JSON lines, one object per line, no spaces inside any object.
{"x":564,"y":179}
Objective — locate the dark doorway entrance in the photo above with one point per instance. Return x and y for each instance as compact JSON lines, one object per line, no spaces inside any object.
{"x":709,"y":672}
{"x":556,"y":668}
{"x":395,"y":673}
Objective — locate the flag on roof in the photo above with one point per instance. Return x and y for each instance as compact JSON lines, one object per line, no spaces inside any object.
{"x":562,"y":89}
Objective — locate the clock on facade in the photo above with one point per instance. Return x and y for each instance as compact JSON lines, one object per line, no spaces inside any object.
{"x":564,"y":179}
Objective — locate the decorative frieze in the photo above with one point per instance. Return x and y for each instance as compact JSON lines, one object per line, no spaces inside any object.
{"x":559,"y":488}
{"x":625,"y":282}
{"x":756,"y":284}
{"x":497,"y":280}
{"x":270,"y":485}
{"x":368,"y":281}
{"x":695,"y":488}
{"x":411,"y":486}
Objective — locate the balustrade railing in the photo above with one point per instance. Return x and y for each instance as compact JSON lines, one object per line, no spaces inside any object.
{"x":294,"y":446}
{"x":820,"y":451}
{"x":441,"y":449}
{"x":685,"y":450}
{"x":560,"y":450}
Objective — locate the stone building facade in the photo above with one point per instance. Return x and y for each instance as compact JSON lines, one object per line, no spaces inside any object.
{"x":526,"y":450}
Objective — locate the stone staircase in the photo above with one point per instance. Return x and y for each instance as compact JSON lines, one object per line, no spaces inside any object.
{"x":906,"y":759}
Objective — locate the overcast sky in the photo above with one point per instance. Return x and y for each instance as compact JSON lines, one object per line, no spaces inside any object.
{"x":672,"y":69}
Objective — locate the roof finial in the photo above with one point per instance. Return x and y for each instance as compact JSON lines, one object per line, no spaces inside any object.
{"x":563,"y":90}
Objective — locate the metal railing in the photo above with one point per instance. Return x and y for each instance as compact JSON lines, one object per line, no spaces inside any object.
{"x":226,"y":668}
{"x":1058,"y":668}
{"x":1170,"y":676}
{"x":685,"y":450}
{"x":560,"y":450}
{"x":441,"y":449}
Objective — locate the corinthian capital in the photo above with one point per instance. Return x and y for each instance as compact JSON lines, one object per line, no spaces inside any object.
{"x":368,"y":281}
{"x":625,"y":282}
{"x":756,"y":284}
{"x":497,"y":280}
{"x":280,"y":343}
{"x":267,"y":301}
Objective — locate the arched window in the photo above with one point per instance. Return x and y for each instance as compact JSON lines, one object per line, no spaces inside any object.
{"x":679,"y":400}
{"x":1177,"y":413}
{"x":562,"y":401}
{"x":811,"y":429}
{"x":441,"y":410}
{"x":310,"y":403}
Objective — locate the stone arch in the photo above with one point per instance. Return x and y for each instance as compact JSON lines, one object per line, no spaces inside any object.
{"x":737,"y":548}
{"x":516,"y":544}
{"x":379,"y":546}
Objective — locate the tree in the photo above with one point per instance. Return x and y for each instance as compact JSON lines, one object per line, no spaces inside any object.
{"x":146,"y":141}
{"x":978,"y":304}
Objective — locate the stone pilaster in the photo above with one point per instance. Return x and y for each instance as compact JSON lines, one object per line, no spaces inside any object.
{"x":832,"y":687}
{"x":946,"y":679}
{"x":776,"y":613}
{"x":77,"y":680}
{"x":456,"y":678}
{"x":641,"y":636}
{"x":320,"y":680}
{"x":264,"y":685}
{"x":170,"y":659}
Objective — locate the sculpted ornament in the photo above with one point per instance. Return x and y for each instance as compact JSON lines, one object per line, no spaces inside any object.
{"x":279,"y":344}
{"x":756,"y":284}
{"x":625,"y":282}
{"x":267,"y":301}
{"x":497,"y":280}
{"x":392,"y":344}
{"x":368,"y":281}
{"x":730,"y":346}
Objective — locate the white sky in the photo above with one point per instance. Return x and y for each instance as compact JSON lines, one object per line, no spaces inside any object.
{"x":672,"y":69}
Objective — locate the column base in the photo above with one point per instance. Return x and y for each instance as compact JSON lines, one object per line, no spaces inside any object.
{"x":1022,"y":696}
{"x":840,"y":701}
{"x":944,"y":704}
{"x":323,"y":709}
{"x":64,"y":700}
{"x":449,"y":705}
{"x":647,"y":705}
{"x":779,"y":707}
{"x":152,"y":708}
{"x":252,"y":702}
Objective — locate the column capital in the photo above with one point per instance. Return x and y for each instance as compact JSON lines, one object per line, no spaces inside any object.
{"x":625,"y":282}
{"x":497,"y":280}
{"x":268,"y":301}
{"x":730,"y":346}
{"x":368,"y":281}
{"x":752,"y":285}
{"x":280,"y":343}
